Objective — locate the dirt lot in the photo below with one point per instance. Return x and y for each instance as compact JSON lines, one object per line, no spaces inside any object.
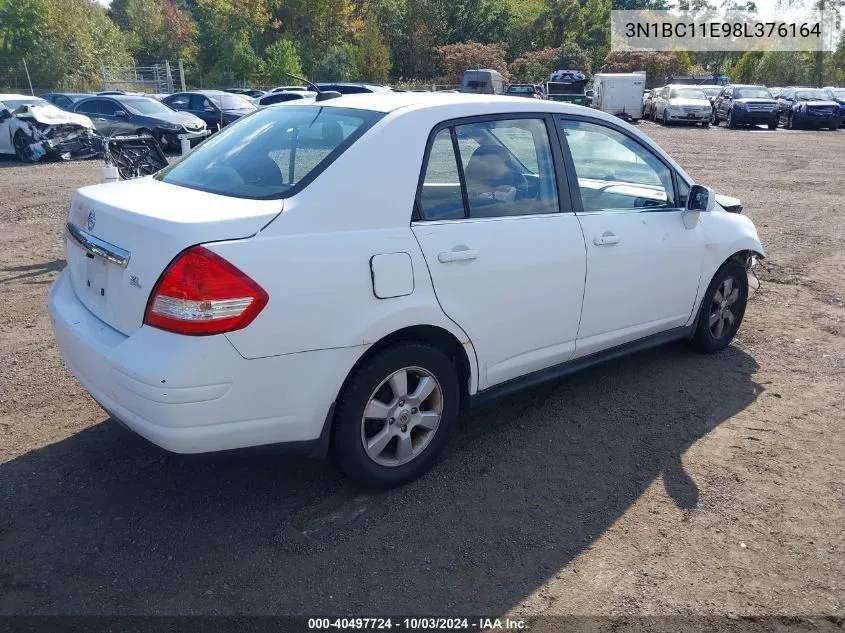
{"x":665,"y":483}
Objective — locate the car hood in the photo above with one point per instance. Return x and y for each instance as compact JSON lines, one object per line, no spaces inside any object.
{"x":180,"y":118}
{"x":748,"y":100}
{"x":52,"y":115}
{"x":818,"y":102}
{"x":683,"y":101}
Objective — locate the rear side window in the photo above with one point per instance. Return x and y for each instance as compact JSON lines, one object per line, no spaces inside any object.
{"x":505,"y":168}
{"x":272,"y":153}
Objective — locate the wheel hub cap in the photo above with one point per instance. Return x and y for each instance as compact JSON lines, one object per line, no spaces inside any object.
{"x":401,"y":416}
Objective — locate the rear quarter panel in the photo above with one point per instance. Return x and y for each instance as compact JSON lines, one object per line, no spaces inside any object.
{"x":314,"y":259}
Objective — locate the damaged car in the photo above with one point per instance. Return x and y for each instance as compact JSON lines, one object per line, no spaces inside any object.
{"x":32,"y":128}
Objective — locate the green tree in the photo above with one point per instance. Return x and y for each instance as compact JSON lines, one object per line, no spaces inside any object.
{"x":78,"y":38}
{"x":280,"y":58}
{"x":372,"y":56}
{"x":782,"y":68}
{"x":657,"y":66}
{"x":156,"y":29}
{"x":456,"y":58}
{"x":337,"y":64}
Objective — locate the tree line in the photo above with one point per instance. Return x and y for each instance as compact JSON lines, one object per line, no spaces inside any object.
{"x":256,"y":42}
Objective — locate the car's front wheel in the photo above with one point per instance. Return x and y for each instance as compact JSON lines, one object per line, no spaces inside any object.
{"x":395,"y":415}
{"x":21,"y":143}
{"x":722,"y":308}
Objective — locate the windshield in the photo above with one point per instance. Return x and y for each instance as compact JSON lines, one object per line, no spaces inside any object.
{"x":521,"y":89}
{"x":14,"y":104}
{"x":272,"y":153}
{"x":687,"y":93}
{"x":839,"y":94}
{"x":231,"y":102}
{"x":149,"y":107}
{"x":811,"y":95}
{"x":753,"y":93}
{"x":712,"y":92}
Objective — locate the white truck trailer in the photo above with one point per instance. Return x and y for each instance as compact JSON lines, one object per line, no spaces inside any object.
{"x":620,"y":94}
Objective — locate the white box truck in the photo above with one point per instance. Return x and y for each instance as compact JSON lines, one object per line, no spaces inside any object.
{"x":620,"y":94}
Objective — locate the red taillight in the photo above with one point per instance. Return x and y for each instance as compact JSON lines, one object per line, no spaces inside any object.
{"x":200,"y":293}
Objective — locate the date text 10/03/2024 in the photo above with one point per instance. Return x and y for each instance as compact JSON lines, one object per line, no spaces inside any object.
{"x":417,"y":624}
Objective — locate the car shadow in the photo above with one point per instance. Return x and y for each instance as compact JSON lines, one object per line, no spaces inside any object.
{"x":103,"y":522}
{"x":33,"y":271}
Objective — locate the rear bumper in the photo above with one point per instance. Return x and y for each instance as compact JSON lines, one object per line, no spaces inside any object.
{"x":196,"y":394}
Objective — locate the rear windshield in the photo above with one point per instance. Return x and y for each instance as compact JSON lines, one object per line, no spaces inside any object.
{"x":231,"y":102}
{"x":521,"y":89}
{"x":272,"y":153}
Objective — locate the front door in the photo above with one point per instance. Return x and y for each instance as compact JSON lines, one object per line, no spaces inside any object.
{"x":506,"y":256}
{"x":643,"y":264}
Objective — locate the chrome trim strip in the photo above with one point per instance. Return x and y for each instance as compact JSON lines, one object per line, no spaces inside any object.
{"x":96,"y":246}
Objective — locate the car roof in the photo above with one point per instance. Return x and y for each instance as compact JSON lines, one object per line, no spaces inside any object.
{"x":16,"y":96}
{"x":453,"y":105}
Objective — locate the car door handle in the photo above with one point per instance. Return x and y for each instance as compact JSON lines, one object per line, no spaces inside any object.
{"x":457,"y":255}
{"x":606,"y":239}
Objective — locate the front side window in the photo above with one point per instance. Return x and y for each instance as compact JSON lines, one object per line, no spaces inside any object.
{"x":272,"y":153}
{"x":507,"y":170}
{"x":89,"y":107}
{"x":616,"y":173}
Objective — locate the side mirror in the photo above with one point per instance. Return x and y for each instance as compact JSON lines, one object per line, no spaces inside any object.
{"x":5,"y":114}
{"x":701,"y":198}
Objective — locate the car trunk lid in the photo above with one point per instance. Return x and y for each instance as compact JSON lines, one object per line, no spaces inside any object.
{"x":120,"y":238}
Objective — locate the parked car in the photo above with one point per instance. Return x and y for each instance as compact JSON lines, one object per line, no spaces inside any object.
{"x":483,"y":81}
{"x":838,"y":95}
{"x":64,"y":99}
{"x":648,"y":102}
{"x":712,"y":92}
{"x":289,"y":88}
{"x":682,"y":104}
{"x":122,"y":115}
{"x":352,"y":88}
{"x":808,"y":108}
{"x":274,"y":286}
{"x":247,"y":92}
{"x":215,"y":107}
{"x":297,"y":96}
{"x":745,"y":105}
{"x":530,"y":91}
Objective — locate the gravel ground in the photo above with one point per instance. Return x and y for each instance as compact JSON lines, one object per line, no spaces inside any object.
{"x":663,"y":483}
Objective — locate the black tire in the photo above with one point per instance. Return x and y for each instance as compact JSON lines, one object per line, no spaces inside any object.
{"x":20,"y":142}
{"x":773,"y":125}
{"x":142,"y":131}
{"x":350,"y":428}
{"x":714,"y":118}
{"x":730,"y":120}
{"x":705,"y":124}
{"x":665,"y":121}
{"x":708,"y":336}
{"x":790,"y":123}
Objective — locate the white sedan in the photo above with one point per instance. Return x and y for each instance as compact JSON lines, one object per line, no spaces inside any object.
{"x":682,"y":104}
{"x":347,"y":277}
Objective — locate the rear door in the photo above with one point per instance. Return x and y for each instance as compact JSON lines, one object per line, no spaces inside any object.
{"x":643,"y":263}
{"x":505,"y":253}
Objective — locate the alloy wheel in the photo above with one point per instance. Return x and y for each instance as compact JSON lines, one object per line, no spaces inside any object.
{"x":401,"y":416}
{"x":722,"y":315}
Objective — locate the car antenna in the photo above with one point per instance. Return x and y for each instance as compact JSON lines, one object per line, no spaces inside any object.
{"x":322,"y":95}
